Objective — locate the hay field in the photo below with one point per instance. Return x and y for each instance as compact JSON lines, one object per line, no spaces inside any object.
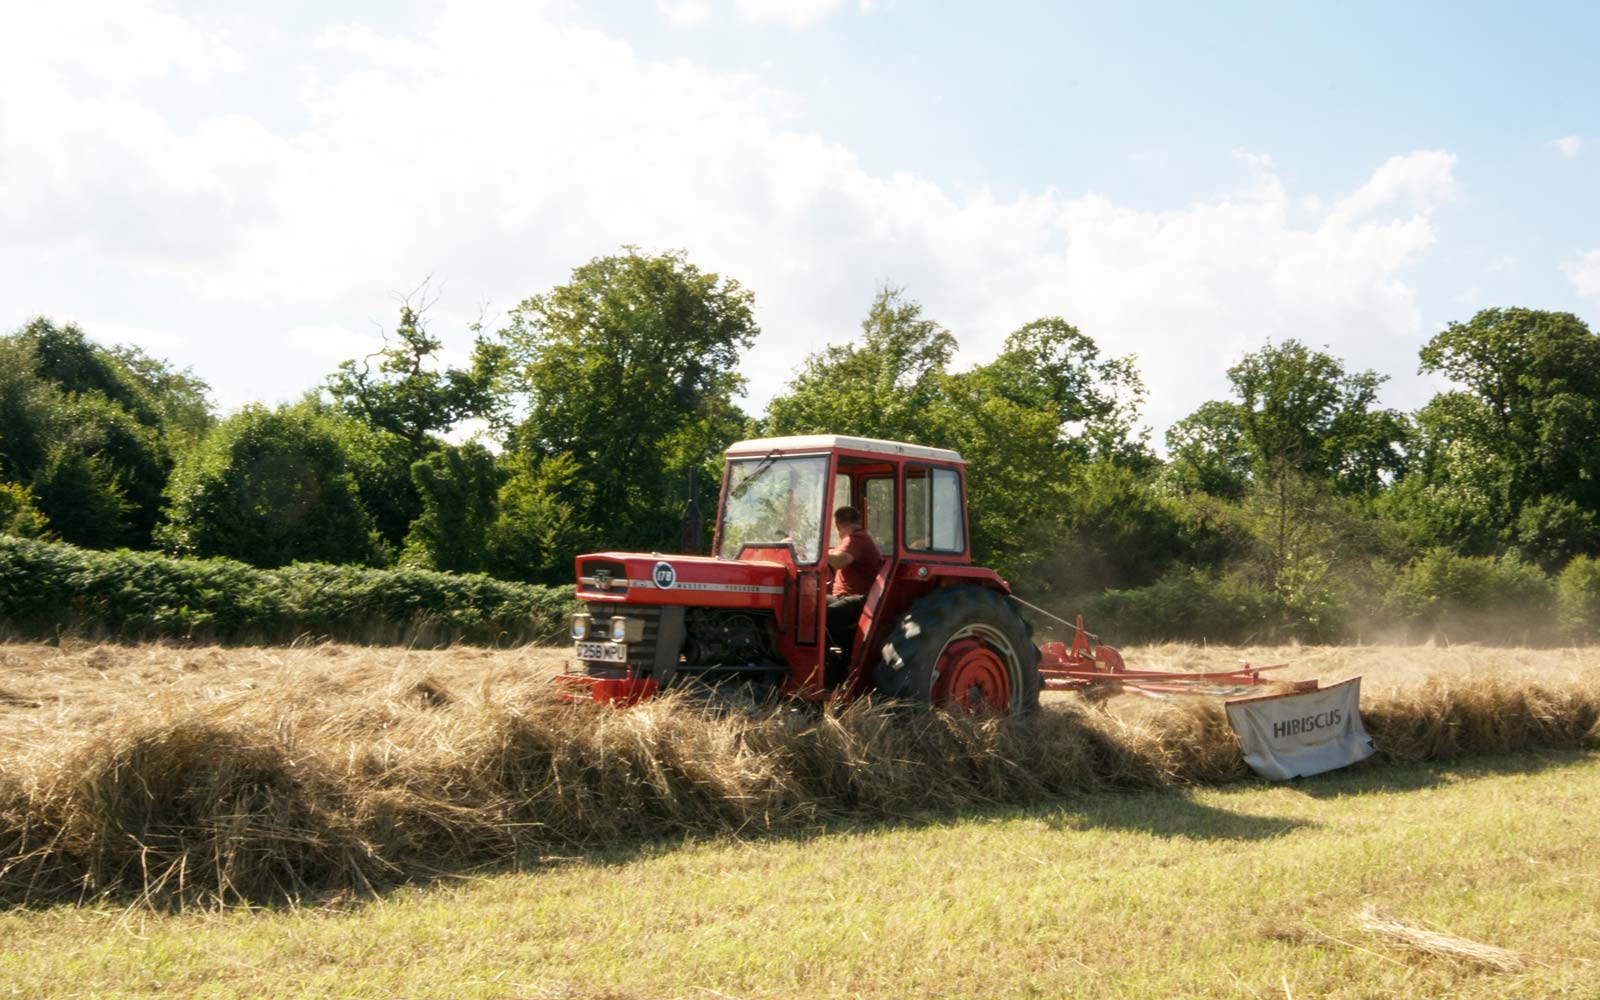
{"x":179,"y":775}
{"x":1478,"y":880}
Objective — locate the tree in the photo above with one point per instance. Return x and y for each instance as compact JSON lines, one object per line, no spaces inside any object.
{"x":539,"y":522}
{"x":1048,"y":365}
{"x":1106,"y":527}
{"x":1025,"y":422}
{"x":407,"y":395}
{"x":1513,"y":457}
{"x":179,"y":397}
{"x":18,"y":514}
{"x":458,"y":487}
{"x":1207,"y":451}
{"x":89,"y":430}
{"x":269,"y":487}
{"x":625,"y":374}
{"x":1297,"y":412}
{"x":103,"y":473}
{"x":380,"y":463}
{"x":887,"y":386}
{"x":64,"y":356}
{"x":396,"y":402}
{"x":1030,"y":424}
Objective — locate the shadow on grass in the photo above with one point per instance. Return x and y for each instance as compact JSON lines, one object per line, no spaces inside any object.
{"x":1170,"y":815}
{"x":1378,"y":776}
{"x":1173,"y":813}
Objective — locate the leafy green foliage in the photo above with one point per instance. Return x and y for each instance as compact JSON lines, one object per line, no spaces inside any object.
{"x":50,"y":588}
{"x":1026,"y":422}
{"x":407,"y":395}
{"x":80,"y":493}
{"x":459,"y":487}
{"x":1112,"y":530}
{"x":1473,"y":597}
{"x":396,"y":408}
{"x":539,"y":524}
{"x":1513,"y":458}
{"x":1208,"y":451}
{"x":887,"y":386}
{"x":1296,"y":411}
{"x":1187,"y":605}
{"x":1049,"y":366}
{"x":177,"y":395}
{"x":88,"y":430}
{"x":625,"y":376}
{"x":380,"y":463}
{"x":18,"y":515}
{"x":1578,"y":599}
{"x":269,"y":487}
{"x":1048,"y":429}
{"x":65,"y":357}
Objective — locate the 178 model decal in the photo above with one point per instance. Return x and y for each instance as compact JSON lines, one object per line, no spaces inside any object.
{"x":663,"y":575}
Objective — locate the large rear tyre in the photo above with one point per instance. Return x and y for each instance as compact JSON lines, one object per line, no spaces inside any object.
{"x":963,"y":648}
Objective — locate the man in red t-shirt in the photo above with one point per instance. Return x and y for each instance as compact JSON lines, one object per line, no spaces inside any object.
{"x":855,"y":564}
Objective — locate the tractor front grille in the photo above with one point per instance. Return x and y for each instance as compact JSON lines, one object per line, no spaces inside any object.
{"x":603,"y":575}
{"x":641,"y":654}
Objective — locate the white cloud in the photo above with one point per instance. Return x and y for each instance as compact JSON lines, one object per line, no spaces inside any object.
{"x":115,"y":44}
{"x":795,"y":13}
{"x":331,"y":343}
{"x":684,"y":12}
{"x":1568,"y":145}
{"x":498,"y":148}
{"x":1584,"y":273}
{"x":1415,"y":181}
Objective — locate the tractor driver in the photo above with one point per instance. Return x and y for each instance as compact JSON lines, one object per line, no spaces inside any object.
{"x":855,"y":564}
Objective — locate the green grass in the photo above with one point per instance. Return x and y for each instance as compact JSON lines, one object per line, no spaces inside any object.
{"x":1251,"y":890}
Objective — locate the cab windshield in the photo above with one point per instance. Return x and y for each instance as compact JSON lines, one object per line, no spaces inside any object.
{"x":774,"y":501}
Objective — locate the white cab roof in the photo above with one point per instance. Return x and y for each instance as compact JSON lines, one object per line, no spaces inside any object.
{"x":826,"y":442}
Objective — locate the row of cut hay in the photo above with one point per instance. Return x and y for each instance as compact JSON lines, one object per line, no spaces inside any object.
{"x":258,"y":801}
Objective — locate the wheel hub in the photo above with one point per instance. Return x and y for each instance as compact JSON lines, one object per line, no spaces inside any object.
{"x":973,"y":678}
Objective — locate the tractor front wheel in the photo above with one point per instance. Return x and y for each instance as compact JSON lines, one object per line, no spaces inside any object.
{"x":963,"y":648}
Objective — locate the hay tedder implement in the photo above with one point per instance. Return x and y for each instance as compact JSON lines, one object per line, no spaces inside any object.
{"x":932,"y":628}
{"x":1097,"y":671}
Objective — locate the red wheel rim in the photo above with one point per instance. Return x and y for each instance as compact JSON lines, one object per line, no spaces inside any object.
{"x":973,"y":678}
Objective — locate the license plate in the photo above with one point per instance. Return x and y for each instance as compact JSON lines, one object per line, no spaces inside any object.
{"x":604,"y":652}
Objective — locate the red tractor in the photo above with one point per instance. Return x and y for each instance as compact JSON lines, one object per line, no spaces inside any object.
{"x":934,"y":628}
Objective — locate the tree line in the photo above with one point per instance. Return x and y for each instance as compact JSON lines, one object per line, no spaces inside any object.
{"x":1297,"y":504}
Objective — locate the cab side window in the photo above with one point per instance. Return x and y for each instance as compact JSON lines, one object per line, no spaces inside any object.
{"x":879,"y":496}
{"x":841,"y":498}
{"x":934,"y":521}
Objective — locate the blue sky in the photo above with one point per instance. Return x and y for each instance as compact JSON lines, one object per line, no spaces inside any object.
{"x":248,"y":191}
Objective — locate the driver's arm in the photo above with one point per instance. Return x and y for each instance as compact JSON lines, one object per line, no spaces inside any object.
{"x":840,"y":557}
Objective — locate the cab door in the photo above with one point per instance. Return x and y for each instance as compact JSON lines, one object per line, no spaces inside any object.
{"x":811,"y":595}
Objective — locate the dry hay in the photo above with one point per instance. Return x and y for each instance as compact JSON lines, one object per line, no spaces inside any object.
{"x":180,"y":775}
{"x":1426,"y":940}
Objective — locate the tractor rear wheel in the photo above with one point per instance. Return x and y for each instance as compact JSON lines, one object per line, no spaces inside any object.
{"x":963,"y":648}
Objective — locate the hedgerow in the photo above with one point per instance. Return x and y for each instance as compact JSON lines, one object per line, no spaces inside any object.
{"x":1578,"y":599}
{"x":49,"y":588}
{"x":1188,"y":606}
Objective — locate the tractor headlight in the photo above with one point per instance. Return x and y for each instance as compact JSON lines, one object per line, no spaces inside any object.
{"x":581,"y":624}
{"x":625,"y":629}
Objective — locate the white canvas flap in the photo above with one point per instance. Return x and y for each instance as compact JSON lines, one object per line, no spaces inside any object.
{"x":1288,"y":735}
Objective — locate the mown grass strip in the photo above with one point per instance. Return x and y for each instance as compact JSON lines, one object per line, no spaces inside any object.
{"x":263,"y":798}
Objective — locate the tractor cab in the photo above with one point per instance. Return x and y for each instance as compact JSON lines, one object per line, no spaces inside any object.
{"x":933,"y":627}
